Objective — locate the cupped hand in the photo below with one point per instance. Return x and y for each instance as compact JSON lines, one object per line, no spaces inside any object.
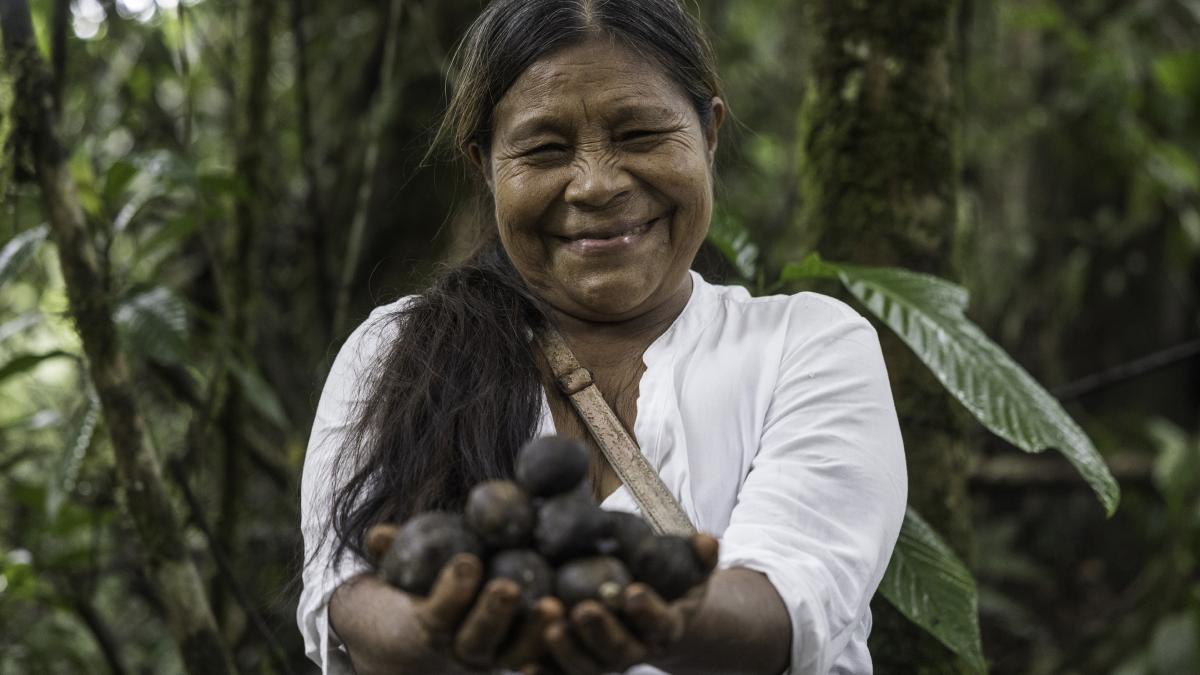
{"x":460,"y":621}
{"x":593,"y":640}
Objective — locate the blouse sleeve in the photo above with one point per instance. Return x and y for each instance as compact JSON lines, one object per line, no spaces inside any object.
{"x":821,"y":507}
{"x":344,"y":388}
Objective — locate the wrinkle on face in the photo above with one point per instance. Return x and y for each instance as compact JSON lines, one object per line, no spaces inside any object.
{"x":589,"y":137}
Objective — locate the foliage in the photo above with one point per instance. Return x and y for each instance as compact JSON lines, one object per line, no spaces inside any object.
{"x":928,"y":314}
{"x":1079,"y":243}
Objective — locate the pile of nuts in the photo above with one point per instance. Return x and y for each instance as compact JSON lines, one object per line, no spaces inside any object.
{"x":544,"y":532}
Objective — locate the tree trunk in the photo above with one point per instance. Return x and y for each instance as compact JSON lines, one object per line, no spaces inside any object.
{"x":144,"y":494}
{"x":879,"y":185}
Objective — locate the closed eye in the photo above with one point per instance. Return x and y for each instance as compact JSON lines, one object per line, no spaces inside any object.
{"x":638,"y":135}
{"x":545,"y":149}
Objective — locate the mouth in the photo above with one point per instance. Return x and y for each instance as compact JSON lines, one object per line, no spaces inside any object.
{"x":602,"y":240}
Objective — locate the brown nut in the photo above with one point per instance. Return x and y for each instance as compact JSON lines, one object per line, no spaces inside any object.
{"x":569,"y":526}
{"x":668,"y":564}
{"x":551,"y":465}
{"x":500,"y":513}
{"x":524,"y":566}
{"x":600,"y":578}
{"x":422,"y":547}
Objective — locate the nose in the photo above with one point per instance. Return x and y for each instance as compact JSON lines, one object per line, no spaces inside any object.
{"x":598,"y":182}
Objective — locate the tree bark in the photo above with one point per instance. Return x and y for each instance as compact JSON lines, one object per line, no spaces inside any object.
{"x":144,"y":495}
{"x":244,"y":261}
{"x":879,"y":186}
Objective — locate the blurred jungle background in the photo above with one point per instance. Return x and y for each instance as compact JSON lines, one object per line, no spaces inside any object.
{"x":252,"y":178}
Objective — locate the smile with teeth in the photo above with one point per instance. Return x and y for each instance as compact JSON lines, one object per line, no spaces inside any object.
{"x":610,"y":242}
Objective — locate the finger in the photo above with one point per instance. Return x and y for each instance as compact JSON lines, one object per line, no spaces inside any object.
{"x":707,"y":550}
{"x":652,"y":619}
{"x":451,"y":595}
{"x":528,"y":646}
{"x":379,"y":539}
{"x":487,"y":623}
{"x":605,"y":637}
{"x":567,"y":653}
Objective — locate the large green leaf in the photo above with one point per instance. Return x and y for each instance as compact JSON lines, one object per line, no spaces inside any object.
{"x":153,"y":325}
{"x":935,"y":590}
{"x":19,"y":250}
{"x":928,"y":314}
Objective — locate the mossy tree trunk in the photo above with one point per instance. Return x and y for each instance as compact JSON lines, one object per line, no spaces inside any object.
{"x":879,"y":186}
{"x":143,"y":493}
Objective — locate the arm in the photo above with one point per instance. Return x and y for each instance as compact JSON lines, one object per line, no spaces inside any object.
{"x":374,"y":621}
{"x":740,"y":608}
{"x":813,"y":529}
{"x":821,"y":507}
{"x":350,"y":618}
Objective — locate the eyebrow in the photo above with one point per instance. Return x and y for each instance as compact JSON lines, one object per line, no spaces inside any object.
{"x":540,"y":123}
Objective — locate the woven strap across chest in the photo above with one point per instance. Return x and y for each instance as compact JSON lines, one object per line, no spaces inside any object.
{"x":658,"y":505}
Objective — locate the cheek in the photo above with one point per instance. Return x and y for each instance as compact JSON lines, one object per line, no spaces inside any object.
{"x":522,"y":196}
{"x":683,"y":179}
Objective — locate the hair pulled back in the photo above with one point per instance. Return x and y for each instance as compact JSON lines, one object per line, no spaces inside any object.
{"x":456,"y":394}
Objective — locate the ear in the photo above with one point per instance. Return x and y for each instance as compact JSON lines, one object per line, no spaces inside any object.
{"x":482,"y":162}
{"x":714,"y":126}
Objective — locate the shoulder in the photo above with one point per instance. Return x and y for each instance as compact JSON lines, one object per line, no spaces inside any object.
{"x":796,"y":319}
{"x":366,"y":343}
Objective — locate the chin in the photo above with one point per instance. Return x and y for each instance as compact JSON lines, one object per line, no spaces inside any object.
{"x":611,"y":297}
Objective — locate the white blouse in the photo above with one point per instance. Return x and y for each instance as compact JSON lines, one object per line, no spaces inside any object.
{"x":771,"y":421}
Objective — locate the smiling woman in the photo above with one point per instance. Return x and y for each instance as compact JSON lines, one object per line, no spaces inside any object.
{"x":600,"y":168}
{"x":593,"y":126}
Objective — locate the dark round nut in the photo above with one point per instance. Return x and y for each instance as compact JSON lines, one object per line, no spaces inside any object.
{"x":422,"y":547}
{"x":628,"y":531}
{"x":500,"y":512}
{"x":601,"y":578}
{"x":668,"y":564}
{"x":569,"y":526}
{"x":524,"y":566}
{"x":552,"y":465}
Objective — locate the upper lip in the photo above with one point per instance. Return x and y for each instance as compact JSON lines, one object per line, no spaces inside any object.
{"x":606,"y":230}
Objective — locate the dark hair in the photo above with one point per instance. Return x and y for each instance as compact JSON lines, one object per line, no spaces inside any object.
{"x":457,"y":393}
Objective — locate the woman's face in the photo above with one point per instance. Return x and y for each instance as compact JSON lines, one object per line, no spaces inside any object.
{"x":601,"y":174}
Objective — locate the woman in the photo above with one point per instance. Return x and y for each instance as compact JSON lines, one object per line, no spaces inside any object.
{"x":593,"y":124}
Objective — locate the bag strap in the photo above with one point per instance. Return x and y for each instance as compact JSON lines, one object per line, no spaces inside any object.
{"x":659,"y":506}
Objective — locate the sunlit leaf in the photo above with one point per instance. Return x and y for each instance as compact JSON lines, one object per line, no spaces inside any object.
{"x":153,"y":325}
{"x":734,"y":243}
{"x":934,"y":589}
{"x":928,"y":314}
{"x":79,"y":436}
{"x":259,"y":393}
{"x":17,"y":252}
{"x":22,"y":363}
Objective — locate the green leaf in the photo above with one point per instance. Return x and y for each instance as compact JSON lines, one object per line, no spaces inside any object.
{"x":79,"y":437}
{"x":19,"y":250}
{"x":25,"y":362}
{"x":259,"y":393}
{"x":733,"y":241}
{"x":117,"y":178}
{"x":928,"y":584}
{"x":153,"y":325}
{"x":927,"y":313}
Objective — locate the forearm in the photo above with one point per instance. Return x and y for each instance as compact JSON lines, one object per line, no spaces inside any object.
{"x":742,"y":626}
{"x":367,"y":615}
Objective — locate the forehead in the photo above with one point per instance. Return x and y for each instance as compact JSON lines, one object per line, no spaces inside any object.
{"x":598,"y":80}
